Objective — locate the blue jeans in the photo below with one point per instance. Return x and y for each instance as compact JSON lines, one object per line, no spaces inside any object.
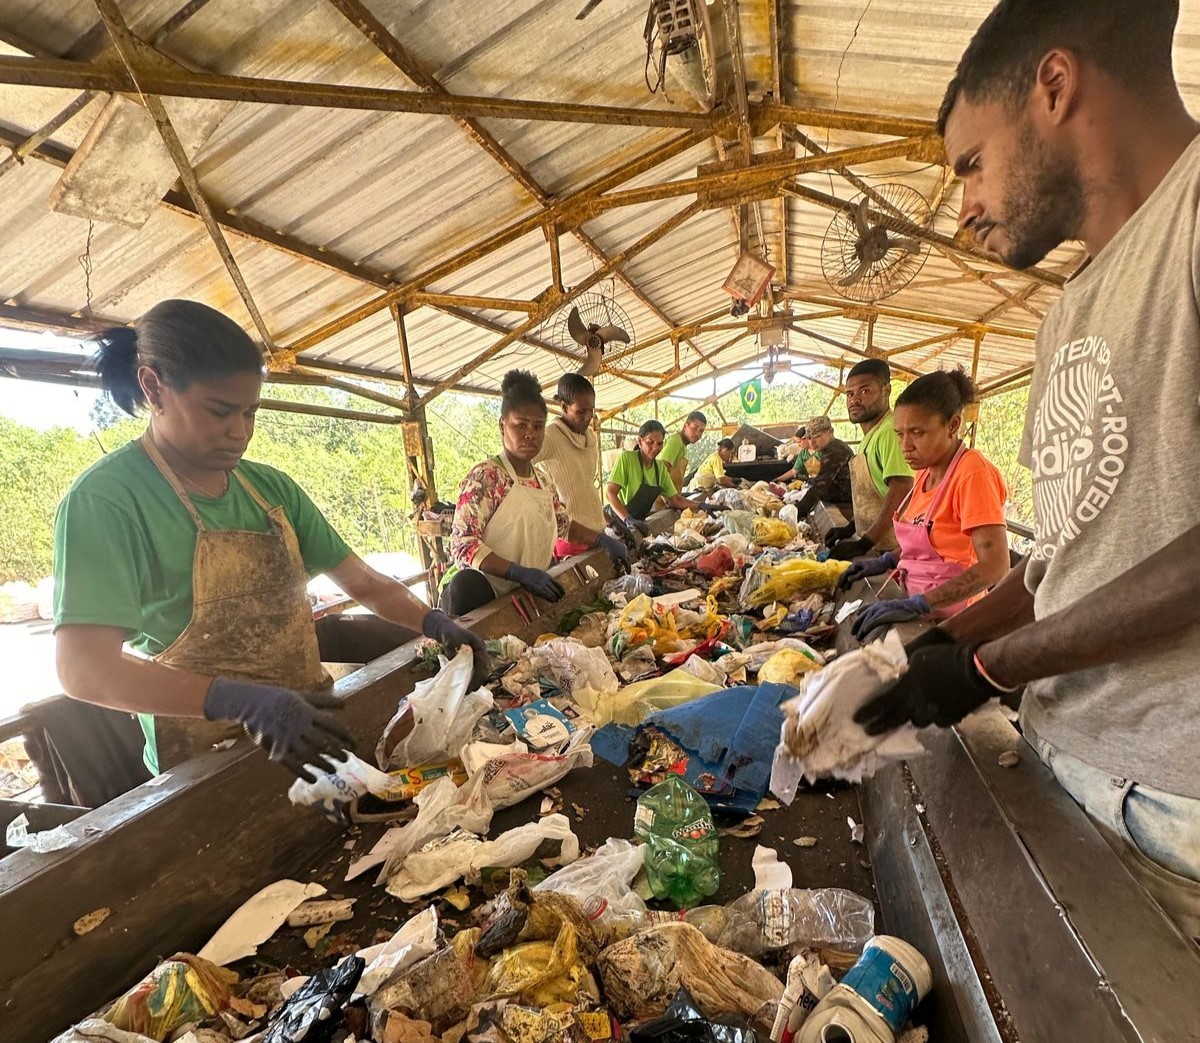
{"x":1155,"y":833}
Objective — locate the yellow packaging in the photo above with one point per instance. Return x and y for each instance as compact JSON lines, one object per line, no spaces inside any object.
{"x":408,"y":782}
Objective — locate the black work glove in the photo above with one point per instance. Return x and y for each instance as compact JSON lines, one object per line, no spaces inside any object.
{"x":711,"y":508}
{"x":637,"y":523}
{"x":941,"y":686}
{"x":288,"y":725}
{"x":451,"y":636}
{"x":838,"y":532}
{"x":931,"y":637}
{"x":616,"y":550}
{"x":538,"y":581}
{"x":848,"y":550}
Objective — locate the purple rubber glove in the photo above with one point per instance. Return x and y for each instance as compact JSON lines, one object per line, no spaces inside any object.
{"x":861,"y":568}
{"x":286,"y":724}
{"x":538,"y":581}
{"x":889,"y":613}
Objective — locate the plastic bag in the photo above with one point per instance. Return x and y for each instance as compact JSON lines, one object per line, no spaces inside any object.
{"x":17,"y":835}
{"x":763,"y":921}
{"x":794,"y":577}
{"x":773,"y":532}
{"x":631,"y":704}
{"x":684,"y":1022}
{"x":629,"y":586}
{"x":523,"y":915}
{"x":435,"y":721}
{"x":415,"y":940}
{"x":313,"y":1013}
{"x":790,"y":515}
{"x":544,"y":973}
{"x":573,"y":666}
{"x":642,"y":974}
{"x":509,"y":774}
{"x":739,"y":523}
{"x":788,"y":666}
{"x":334,"y":792}
{"x":460,"y":854}
{"x":182,"y":989}
{"x":608,"y":874}
{"x":690,"y":519}
{"x":438,"y":989}
{"x":820,"y":738}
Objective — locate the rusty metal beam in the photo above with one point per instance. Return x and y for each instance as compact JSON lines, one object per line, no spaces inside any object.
{"x":405,"y":359}
{"x":185,"y":83}
{"x":38,"y":320}
{"x":939,"y":338}
{"x":460,"y":300}
{"x":386,"y":42}
{"x":552,"y":302}
{"x":127,"y":46}
{"x":860,"y":311}
{"x":752,"y":178}
{"x":22,"y":149}
{"x":390,"y":378}
{"x":1003,"y":383}
{"x":926,"y":235}
{"x":494,"y":327}
{"x":626,"y":172}
{"x":769,"y":113}
{"x":777,"y":32}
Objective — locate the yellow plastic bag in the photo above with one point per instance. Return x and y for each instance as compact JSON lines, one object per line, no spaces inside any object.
{"x":773,"y":532}
{"x":182,"y":989}
{"x":690,"y":520}
{"x":709,"y":625}
{"x":633,"y":703}
{"x":544,"y":973}
{"x":640,"y":622}
{"x":787,"y":666}
{"x":796,"y":577}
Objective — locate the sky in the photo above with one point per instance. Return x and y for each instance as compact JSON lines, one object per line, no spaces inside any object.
{"x":44,"y":405}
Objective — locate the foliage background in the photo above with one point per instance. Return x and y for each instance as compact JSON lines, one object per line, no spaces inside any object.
{"x":354,"y":470}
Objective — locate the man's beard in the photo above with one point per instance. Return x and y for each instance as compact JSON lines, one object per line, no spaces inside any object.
{"x":1043,"y":204}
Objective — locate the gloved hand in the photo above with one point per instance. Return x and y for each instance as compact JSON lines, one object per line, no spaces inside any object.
{"x":942,"y":685}
{"x":616,"y":550}
{"x":849,"y":549}
{"x":864,"y":567}
{"x":838,"y":533}
{"x":286,"y":724}
{"x":451,"y":636}
{"x":889,"y":613}
{"x":539,"y":581}
{"x":711,"y":508}
{"x":931,"y":637}
{"x":637,"y":523}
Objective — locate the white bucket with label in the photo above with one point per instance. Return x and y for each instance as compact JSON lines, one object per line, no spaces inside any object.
{"x":874,"y":999}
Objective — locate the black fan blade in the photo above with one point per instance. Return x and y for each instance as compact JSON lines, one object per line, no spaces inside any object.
{"x":860,"y":212}
{"x":912,"y":246}
{"x":855,"y":276}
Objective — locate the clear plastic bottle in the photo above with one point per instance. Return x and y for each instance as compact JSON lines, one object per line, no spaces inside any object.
{"x":769,"y":920}
{"x":681,"y":843}
{"x":614,"y":923}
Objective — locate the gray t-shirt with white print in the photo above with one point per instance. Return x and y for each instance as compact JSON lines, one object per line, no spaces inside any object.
{"x":1113,"y":438}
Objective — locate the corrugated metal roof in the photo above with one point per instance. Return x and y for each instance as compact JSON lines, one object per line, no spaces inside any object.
{"x":390,"y":195}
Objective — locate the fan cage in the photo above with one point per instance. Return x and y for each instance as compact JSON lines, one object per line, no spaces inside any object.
{"x":594,"y":309}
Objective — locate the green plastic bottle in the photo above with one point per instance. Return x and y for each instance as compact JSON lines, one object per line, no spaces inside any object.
{"x":681,"y":843}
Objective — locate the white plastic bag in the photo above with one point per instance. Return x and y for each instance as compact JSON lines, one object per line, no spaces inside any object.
{"x":509,"y":774}
{"x":573,"y":666}
{"x":791,"y":515}
{"x":439,"y":714}
{"x":820,"y":738}
{"x":97,"y":1030}
{"x":441,"y":809}
{"x":444,"y":861}
{"x":607,"y":874}
{"x":414,"y":941}
{"x":17,"y":835}
{"x":333,"y":792}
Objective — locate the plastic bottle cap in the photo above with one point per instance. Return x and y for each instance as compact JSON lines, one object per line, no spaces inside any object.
{"x":595,"y":907}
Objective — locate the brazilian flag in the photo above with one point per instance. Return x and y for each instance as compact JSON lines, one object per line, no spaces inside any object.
{"x":752,"y":394}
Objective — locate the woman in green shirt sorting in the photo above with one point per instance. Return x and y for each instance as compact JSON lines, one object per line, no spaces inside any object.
{"x":640,"y":478}
{"x":181,"y":569}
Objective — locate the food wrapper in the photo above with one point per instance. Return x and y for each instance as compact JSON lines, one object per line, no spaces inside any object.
{"x":544,"y":973}
{"x":182,"y":989}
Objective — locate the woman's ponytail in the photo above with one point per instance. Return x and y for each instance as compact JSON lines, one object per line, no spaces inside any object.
{"x":116,"y":360}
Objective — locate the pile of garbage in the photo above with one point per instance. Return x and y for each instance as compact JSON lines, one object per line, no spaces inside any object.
{"x":707,"y":675}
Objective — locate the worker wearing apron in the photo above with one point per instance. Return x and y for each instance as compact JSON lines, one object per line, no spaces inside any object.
{"x":639,"y":478}
{"x":571,"y":457}
{"x":509,"y":514}
{"x":197,"y":560}
{"x":950,"y":528}
{"x":880,"y":478}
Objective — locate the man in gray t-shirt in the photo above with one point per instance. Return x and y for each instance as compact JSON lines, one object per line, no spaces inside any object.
{"x":1064,"y":122}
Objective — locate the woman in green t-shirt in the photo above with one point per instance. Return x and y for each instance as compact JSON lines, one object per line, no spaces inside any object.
{"x":198,"y":560}
{"x":640,"y":478}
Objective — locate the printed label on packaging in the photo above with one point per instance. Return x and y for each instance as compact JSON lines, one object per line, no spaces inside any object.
{"x":885,"y":984}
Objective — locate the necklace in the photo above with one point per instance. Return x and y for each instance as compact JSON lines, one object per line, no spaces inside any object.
{"x":204,"y":492}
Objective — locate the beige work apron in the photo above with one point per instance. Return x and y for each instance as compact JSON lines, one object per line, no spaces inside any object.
{"x":868,"y":504}
{"x":251,"y":618}
{"x":524,"y":527}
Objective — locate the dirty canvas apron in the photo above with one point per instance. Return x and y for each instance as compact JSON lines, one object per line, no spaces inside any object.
{"x":641,"y":504}
{"x":523,"y":528}
{"x":921,"y":567}
{"x":251,"y":619}
{"x":868,"y":504}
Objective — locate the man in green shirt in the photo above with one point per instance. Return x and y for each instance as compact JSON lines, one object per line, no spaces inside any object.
{"x":674,"y":450}
{"x":880,"y":478}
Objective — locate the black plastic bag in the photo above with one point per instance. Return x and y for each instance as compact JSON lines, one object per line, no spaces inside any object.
{"x":313,"y":1013}
{"x":683,"y":1022}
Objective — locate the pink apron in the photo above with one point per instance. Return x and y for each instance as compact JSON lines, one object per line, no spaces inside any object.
{"x":921,"y":567}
